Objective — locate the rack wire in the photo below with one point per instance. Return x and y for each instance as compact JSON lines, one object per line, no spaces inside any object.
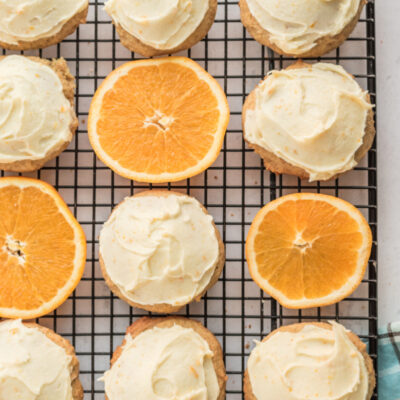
{"x":233,"y":190}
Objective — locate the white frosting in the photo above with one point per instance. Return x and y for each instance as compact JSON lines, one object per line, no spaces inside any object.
{"x":35,"y":115}
{"x":32,"y":367}
{"x":163,"y":363}
{"x":30,"y":20}
{"x":161,"y":24}
{"x":312,"y":117}
{"x":315,"y":363}
{"x":160,"y":249}
{"x":296,"y":25}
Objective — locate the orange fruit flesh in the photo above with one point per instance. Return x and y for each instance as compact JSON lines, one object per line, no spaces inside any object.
{"x":167,"y":127}
{"x":37,"y":248}
{"x":302,"y":257}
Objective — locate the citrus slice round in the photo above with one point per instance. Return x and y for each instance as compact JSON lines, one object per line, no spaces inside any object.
{"x":42,"y":248}
{"x":308,"y":249}
{"x":158,"y":120}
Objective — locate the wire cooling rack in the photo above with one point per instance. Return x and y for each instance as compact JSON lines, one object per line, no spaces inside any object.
{"x":233,"y":190}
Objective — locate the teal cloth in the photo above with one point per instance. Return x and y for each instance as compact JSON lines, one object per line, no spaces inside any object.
{"x":389,"y":362}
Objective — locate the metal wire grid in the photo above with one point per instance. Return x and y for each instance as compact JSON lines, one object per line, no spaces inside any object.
{"x":233,"y":190}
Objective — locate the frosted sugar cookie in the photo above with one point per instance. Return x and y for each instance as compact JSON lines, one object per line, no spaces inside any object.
{"x":37,"y":117}
{"x":156,"y":27}
{"x":301,"y":28}
{"x":313,"y":121}
{"x":172,"y":358}
{"x":160,"y":250}
{"x":35,"y":24}
{"x":36,"y":363}
{"x":309,"y":361}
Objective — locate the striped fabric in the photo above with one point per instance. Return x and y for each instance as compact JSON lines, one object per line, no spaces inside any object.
{"x":389,"y":362}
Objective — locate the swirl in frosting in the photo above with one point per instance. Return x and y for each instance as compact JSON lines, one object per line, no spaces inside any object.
{"x":31,"y":365}
{"x":35,"y":115}
{"x":161,"y":24}
{"x":313,"y":363}
{"x":160,"y":249}
{"x":313,"y":117}
{"x":296,"y":25}
{"x":163,"y":363}
{"x":29,"y":20}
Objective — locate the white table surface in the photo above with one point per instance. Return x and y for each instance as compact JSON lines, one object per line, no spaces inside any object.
{"x":388,"y":68}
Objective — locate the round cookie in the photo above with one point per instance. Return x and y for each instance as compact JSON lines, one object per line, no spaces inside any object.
{"x":60,"y":67}
{"x":135,"y":45}
{"x":66,"y":29}
{"x":295,"y":328}
{"x":146,"y":323}
{"x":76,"y":386}
{"x":323,"y":45}
{"x":277,"y":164}
{"x":166,"y":308}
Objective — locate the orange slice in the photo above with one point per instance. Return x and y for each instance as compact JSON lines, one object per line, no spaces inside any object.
{"x":158,"y":120}
{"x":308,"y":250}
{"x":42,"y":249}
